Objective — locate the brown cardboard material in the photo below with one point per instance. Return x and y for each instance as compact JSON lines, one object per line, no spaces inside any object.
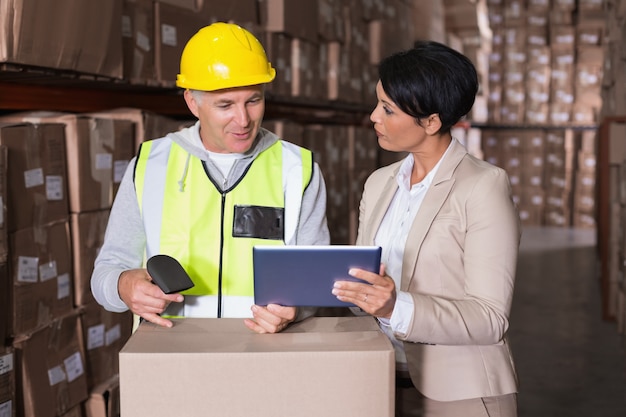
{"x":98,"y":152}
{"x":104,"y":399}
{"x":87,"y":230}
{"x":41,"y":271}
{"x":138,"y":42}
{"x":148,"y":125}
{"x":66,"y":34}
{"x":104,"y":333}
{"x":174,"y":26}
{"x":7,"y":381}
{"x":297,"y":19}
{"x":323,"y":366}
{"x":51,"y":369}
{"x":37,"y":179}
{"x":278,"y":49}
{"x":242,"y":12}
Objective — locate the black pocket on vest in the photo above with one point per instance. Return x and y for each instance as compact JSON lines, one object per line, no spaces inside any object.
{"x":259,"y":222}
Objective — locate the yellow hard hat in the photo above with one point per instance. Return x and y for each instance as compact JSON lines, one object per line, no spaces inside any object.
{"x":223,"y":55}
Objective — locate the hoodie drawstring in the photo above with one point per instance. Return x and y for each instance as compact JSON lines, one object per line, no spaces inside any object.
{"x":181,"y":181}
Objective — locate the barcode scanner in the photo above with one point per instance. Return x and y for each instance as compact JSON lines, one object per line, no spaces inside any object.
{"x":168,"y":274}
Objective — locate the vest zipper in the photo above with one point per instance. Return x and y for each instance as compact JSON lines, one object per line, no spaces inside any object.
{"x":219,"y":274}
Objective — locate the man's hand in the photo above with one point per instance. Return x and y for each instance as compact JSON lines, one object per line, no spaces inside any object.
{"x":271,"y":319}
{"x":143,"y":297}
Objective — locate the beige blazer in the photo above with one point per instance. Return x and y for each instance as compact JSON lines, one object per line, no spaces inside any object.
{"x":459,"y":266}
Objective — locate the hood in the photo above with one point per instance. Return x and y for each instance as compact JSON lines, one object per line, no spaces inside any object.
{"x":189,"y":139}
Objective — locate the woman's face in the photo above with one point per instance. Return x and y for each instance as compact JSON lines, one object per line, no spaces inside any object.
{"x":396,"y":130}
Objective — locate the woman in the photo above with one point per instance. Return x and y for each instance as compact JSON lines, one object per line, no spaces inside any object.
{"x":450,"y":237}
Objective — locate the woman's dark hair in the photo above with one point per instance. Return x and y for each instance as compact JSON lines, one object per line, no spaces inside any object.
{"x":430,"y":78}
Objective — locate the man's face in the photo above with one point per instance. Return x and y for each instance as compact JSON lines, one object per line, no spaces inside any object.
{"x":229,"y":118}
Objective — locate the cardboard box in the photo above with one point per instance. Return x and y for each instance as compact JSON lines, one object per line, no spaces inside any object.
{"x":297,"y":19}
{"x":242,"y":12}
{"x":323,"y":366}
{"x":37,"y":179}
{"x":148,"y":125}
{"x":7,"y":382}
{"x":98,"y":151}
{"x":174,"y":26}
{"x":104,"y":399}
{"x":51,"y":369}
{"x":67,"y":34}
{"x":41,"y":270}
{"x":138,"y":42}
{"x":104,"y":334}
{"x":87,"y":231}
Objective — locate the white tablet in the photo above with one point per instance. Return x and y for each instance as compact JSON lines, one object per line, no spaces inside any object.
{"x":304,"y":275}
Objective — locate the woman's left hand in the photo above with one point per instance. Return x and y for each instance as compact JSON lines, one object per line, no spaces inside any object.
{"x":377,"y":297}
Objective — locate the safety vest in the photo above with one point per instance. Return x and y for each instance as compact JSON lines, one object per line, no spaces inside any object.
{"x":212,"y":232}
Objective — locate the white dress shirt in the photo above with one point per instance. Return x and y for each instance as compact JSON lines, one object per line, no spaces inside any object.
{"x":392,"y":236}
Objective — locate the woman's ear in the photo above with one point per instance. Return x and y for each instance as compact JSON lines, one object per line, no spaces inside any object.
{"x":192,"y":103}
{"x":432,"y":124}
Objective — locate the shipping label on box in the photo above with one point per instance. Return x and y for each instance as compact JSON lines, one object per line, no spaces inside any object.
{"x":322,"y":366}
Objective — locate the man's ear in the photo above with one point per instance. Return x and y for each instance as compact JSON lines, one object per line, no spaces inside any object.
{"x":432,"y":124}
{"x":192,"y":103}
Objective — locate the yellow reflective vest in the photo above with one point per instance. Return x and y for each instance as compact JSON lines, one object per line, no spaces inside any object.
{"x":212,"y":232}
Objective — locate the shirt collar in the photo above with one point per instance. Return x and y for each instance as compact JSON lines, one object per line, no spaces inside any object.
{"x":404,"y":173}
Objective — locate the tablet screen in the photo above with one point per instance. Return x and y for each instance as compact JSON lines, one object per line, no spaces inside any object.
{"x":304,"y":275}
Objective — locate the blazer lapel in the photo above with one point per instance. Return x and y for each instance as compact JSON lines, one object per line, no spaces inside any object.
{"x":381,"y":205}
{"x":434,"y":199}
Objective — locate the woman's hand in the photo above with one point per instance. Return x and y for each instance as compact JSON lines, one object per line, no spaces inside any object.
{"x":377,"y":297}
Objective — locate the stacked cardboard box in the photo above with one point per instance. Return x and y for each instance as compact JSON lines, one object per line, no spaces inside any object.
{"x":40,"y":270}
{"x":558,"y":177}
{"x":551,"y":172}
{"x":63,"y":175}
{"x":52,"y":368}
{"x":70,"y":35}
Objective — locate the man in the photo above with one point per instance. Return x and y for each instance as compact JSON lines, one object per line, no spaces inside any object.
{"x":207,"y":194}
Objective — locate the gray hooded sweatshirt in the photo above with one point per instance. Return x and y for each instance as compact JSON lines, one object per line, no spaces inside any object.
{"x":125,"y":239}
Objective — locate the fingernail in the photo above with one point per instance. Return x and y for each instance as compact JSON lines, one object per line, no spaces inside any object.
{"x":351,"y":271}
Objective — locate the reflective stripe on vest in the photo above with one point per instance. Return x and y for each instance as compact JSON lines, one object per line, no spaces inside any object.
{"x":197,"y":227}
